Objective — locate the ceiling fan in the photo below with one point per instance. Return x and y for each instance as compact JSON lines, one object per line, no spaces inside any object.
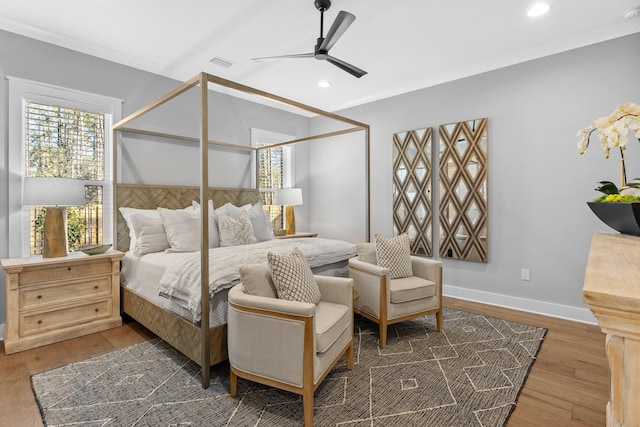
{"x":324,"y":44}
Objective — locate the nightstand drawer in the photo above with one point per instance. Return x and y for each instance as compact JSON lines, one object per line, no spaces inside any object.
{"x":41,"y":296}
{"x":41,"y":322}
{"x":67,"y":272}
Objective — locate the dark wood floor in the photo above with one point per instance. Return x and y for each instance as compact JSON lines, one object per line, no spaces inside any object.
{"x":568,"y":384}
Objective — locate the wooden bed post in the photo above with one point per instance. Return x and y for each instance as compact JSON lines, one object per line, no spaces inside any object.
{"x":205,"y":343}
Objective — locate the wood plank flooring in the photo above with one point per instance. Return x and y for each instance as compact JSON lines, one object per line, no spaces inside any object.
{"x":568,"y":384}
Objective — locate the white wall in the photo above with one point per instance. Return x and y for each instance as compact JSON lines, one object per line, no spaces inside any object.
{"x":538,"y":183}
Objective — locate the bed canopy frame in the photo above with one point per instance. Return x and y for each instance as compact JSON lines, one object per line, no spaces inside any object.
{"x":202,"y":81}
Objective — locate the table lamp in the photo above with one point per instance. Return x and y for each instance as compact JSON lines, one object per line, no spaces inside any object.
{"x":55,"y":194}
{"x":289,"y":197}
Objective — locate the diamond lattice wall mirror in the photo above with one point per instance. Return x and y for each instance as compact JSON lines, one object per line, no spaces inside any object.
{"x":463,"y":198}
{"x":412,"y":188}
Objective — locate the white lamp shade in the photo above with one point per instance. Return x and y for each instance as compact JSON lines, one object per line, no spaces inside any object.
{"x":53,"y":192}
{"x":288,"y":196}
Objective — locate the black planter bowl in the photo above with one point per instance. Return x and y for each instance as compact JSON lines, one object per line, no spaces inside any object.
{"x":623,"y":217}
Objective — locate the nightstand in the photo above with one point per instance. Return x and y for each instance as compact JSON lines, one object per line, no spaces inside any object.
{"x":291,"y":236}
{"x":54,"y":299}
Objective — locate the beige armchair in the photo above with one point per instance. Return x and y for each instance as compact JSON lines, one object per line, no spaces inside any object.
{"x":387,"y":301}
{"x":289,"y":345}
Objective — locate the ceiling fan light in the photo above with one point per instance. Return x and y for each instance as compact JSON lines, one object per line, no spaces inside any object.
{"x":324,"y":83}
{"x":538,"y":9}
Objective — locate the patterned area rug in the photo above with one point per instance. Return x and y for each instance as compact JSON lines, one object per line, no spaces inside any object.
{"x":468,"y":375}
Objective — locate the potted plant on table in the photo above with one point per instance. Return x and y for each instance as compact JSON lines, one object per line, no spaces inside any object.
{"x":619,"y":208}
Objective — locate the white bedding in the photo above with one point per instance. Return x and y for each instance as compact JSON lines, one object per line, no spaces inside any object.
{"x":141,"y":275}
{"x":178,"y":274}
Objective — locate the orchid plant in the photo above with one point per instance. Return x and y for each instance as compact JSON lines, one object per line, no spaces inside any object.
{"x":614,"y":131}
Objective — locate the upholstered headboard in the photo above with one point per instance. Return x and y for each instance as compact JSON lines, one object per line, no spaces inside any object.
{"x":170,"y":197}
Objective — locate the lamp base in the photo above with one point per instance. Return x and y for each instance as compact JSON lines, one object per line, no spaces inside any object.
{"x":55,"y":232}
{"x":290,"y":217}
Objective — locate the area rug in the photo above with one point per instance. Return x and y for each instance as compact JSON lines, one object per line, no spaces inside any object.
{"x":470,"y":374}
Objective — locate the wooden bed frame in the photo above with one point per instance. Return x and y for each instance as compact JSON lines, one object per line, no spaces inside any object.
{"x":193,"y":340}
{"x":177,"y":331}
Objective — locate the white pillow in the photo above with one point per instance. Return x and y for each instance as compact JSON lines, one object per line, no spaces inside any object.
{"x":182,"y":228}
{"x":150,"y":235}
{"x":128,"y":212}
{"x":232,"y":210}
{"x":234,"y":232}
{"x":262,"y":228}
{"x":395,"y":254}
{"x":214,"y":237}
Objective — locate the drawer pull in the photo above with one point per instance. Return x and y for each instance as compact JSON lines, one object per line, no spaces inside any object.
{"x":39,"y":296}
{"x":97,"y":310}
{"x":39,"y":322}
{"x":68,"y":268}
{"x":95,"y":287}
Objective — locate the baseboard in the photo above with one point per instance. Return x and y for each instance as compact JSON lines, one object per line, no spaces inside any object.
{"x":577,"y":314}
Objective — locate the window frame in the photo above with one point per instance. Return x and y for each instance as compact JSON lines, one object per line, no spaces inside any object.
{"x":20,"y":91}
{"x":269,"y":137}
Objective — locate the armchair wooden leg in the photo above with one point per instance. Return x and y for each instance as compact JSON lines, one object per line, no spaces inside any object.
{"x":307,"y":403}
{"x":350,"y":356}
{"x":383,"y":334}
{"x":439,"y":320}
{"x":233,"y":383}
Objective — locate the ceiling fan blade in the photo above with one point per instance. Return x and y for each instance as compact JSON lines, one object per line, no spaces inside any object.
{"x":297,"y":55}
{"x":340,"y":25}
{"x":351,"y":69}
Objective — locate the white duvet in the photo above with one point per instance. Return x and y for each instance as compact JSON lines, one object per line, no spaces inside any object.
{"x":181,"y":280}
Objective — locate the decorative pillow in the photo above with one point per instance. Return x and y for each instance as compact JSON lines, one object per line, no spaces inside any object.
{"x":293,"y":278}
{"x":150,"y":235}
{"x":234,"y":232}
{"x":394,"y":254}
{"x":262,"y":228}
{"x":182,"y":228}
{"x":367,"y":252}
{"x":214,"y":237}
{"x":257,"y":281}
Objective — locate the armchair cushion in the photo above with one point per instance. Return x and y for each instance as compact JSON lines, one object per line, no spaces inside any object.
{"x":293,"y":278}
{"x":257,"y":280}
{"x":394,"y":254}
{"x":330,"y":322}
{"x":367,"y":252}
{"x":411,"y":289}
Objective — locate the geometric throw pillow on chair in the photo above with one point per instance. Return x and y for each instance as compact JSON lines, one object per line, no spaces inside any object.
{"x":292,"y":277}
{"x":394,"y":254}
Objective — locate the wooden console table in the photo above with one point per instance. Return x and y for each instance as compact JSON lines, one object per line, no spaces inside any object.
{"x":612,"y":290}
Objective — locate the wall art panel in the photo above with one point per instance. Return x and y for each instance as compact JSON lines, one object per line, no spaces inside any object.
{"x":412,"y":188}
{"x":463,"y":200}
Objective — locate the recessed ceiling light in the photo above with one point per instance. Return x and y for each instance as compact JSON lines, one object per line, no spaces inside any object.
{"x":538,"y":9}
{"x":324,"y":83}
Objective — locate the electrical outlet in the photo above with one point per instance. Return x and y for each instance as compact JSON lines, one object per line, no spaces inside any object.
{"x":524,"y":274}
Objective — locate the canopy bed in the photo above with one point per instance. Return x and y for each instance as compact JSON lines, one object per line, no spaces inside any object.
{"x":191,"y":331}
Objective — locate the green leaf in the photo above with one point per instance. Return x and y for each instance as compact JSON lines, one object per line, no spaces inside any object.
{"x":607,"y":187}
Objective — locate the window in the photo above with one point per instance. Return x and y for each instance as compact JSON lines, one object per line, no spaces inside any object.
{"x":64,"y":134}
{"x":274,"y":169}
